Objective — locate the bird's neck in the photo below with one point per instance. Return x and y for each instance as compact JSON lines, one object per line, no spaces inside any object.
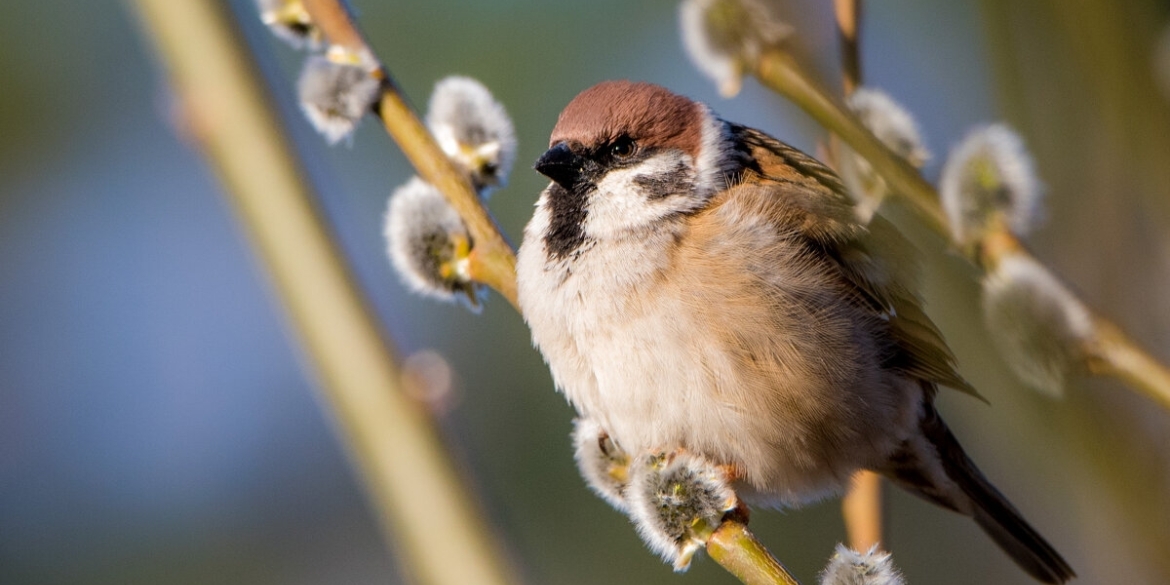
{"x":628,"y":265}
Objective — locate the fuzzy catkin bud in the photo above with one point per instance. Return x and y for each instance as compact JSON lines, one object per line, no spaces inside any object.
{"x":988,"y":183}
{"x":890,"y":123}
{"x":896,"y":129}
{"x":474,"y":130}
{"x":335,"y":96}
{"x":429,"y":244}
{"x":1039,"y":326}
{"x":724,"y":38}
{"x":290,"y":22}
{"x":602,"y":463}
{"x":675,"y":501}
{"x":849,"y":567}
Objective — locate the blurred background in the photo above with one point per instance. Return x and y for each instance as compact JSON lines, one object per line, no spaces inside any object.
{"x":157,"y":425}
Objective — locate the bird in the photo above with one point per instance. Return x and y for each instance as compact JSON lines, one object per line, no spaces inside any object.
{"x":695,"y":284}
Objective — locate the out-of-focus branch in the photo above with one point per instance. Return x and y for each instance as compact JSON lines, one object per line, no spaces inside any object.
{"x":1108,"y":352}
{"x":492,"y":260}
{"x":862,"y":510}
{"x":862,"y":506}
{"x":848,"y":14}
{"x":407,"y":474}
{"x":1112,"y":353}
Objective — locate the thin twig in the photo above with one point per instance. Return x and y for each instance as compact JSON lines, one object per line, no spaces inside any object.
{"x":862,"y":506}
{"x":405,"y":469}
{"x":1112,"y":353}
{"x":862,"y":510}
{"x":736,"y":549}
{"x":492,"y":260}
{"x":848,"y":14}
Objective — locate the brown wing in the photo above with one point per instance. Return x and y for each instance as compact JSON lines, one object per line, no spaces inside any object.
{"x":874,"y":258}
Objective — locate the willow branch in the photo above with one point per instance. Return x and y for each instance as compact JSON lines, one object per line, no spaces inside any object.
{"x":848,"y":13}
{"x":492,"y":260}
{"x":1111,"y":353}
{"x":398,"y":454}
{"x":779,"y":72}
{"x":862,"y":506}
{"x":736,"y":549}
{"x":862,"y":511}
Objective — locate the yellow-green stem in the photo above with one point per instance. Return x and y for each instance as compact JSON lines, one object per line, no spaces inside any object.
{"x":402,"y":462}
{"x":1114,"y":354}
{"x":736,"y":549}
{"x":493,"y":261}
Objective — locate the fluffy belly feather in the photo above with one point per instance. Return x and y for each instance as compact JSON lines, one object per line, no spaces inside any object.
{"x":637,"y":355}
{"x":654,"y":385}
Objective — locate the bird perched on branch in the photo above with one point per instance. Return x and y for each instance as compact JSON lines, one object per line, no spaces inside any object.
{"x":698,"y":285}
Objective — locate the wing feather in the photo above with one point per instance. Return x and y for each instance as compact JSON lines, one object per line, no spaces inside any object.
{"x":875,"y":259}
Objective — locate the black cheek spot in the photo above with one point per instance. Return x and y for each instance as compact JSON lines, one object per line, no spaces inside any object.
{"x":566,"y":230}
{"x":673,"y":182}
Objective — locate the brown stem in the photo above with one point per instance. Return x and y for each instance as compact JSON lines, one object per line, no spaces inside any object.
{"x":862,"y":506}
{"x":862,"y":509}
{"x":492,"y":261}
{"x":999,"y":243}
{"x":848,"y":14}
{"x":335,"y":22}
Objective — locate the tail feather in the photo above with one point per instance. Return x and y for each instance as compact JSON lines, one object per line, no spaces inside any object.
{"x":976,"y":497}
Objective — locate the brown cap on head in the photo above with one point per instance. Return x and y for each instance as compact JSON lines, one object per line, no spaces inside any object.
{"x":648,"y":113}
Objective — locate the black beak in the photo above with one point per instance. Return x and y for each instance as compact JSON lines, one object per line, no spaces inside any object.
{"x":561,"y":165}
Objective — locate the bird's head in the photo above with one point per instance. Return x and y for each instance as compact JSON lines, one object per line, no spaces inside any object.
{"x":625,"y":157}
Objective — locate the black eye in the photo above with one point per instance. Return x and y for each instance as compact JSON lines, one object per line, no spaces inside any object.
{"x":623,"y":147}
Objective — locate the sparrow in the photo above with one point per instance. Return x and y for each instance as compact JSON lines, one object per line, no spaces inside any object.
{"x":697,"y":285}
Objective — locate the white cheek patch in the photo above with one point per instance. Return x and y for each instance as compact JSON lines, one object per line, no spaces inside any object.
{"x":637,"y":196}
{"x":713,"y":163}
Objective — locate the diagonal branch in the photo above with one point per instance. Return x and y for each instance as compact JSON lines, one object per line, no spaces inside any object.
{"x":406,"y":472}
{"x":734,"y":547}
{"x":1110,"y":352}
{"x":492,"y":260}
